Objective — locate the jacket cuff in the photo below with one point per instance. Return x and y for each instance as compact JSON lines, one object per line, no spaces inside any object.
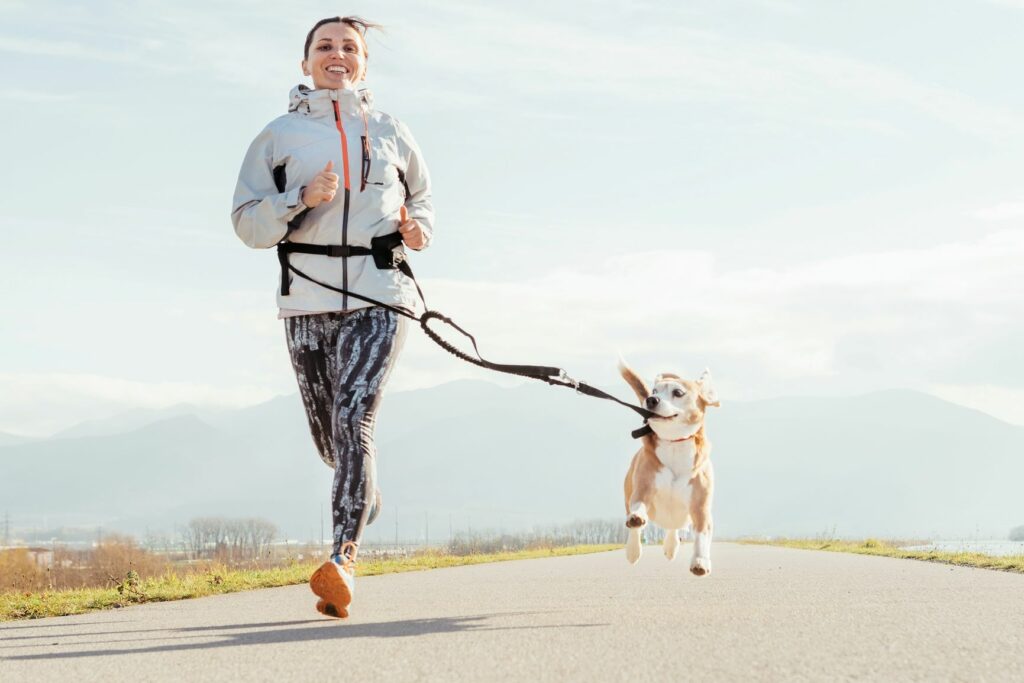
{"x":293,"y":199}
{"x":428,"y":236}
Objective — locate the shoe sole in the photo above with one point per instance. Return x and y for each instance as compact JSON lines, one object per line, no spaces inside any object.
{"x":334,"y":594}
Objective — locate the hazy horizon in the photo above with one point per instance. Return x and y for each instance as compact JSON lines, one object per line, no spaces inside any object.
{"x":477,"y":456}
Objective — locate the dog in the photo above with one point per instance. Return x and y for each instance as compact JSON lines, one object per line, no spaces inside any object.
{"x":670,"y":479}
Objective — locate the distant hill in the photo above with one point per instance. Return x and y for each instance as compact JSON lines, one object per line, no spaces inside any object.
{"x":128,"y":421}
{"x":470,"y":454}
{"x":12,"y":439}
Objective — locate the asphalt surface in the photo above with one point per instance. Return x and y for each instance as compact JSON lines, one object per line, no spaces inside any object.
{"x":765,"y":613}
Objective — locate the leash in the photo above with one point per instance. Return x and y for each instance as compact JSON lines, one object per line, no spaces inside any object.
{"x":384,"y":257}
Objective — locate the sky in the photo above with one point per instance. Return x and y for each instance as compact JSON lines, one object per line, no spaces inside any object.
{"x":807,"y":198}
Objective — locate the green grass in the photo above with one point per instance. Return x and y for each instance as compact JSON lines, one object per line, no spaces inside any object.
{"x":173,"y":586}
{"x":871,"y":546}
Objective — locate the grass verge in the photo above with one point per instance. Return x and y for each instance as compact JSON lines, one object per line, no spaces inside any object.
{"x":173,"y":586}
{"x":871,"y":546}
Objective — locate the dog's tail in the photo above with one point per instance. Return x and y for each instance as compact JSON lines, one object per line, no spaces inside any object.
{"x":633,"y":380}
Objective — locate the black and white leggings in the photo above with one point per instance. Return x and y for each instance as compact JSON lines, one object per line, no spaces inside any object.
{"x":342,"y":361}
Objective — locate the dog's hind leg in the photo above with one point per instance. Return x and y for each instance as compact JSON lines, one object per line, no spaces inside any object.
{"x":700,"y":513}
{"x":633,"y":546}
{"x":700,"y":563}
{"x":671,"y":544}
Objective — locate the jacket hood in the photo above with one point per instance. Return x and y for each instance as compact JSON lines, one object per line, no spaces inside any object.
{"x":306,"y":100}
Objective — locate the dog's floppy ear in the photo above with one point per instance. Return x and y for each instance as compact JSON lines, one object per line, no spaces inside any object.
{"x":707,"y":389}
{"x":636,"y":384}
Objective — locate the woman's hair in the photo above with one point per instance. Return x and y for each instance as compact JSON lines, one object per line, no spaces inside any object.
{"x":358,"y":23}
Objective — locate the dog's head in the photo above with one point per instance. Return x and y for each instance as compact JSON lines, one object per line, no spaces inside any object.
{"x":679,"y":404}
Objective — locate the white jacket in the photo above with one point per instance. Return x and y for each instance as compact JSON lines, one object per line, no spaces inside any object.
{"x":289,"y":153}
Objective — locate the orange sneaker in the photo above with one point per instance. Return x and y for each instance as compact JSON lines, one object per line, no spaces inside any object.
{"x":334,"y":583}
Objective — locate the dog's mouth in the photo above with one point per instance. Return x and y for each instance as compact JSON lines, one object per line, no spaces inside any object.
{"x":663,"y":417}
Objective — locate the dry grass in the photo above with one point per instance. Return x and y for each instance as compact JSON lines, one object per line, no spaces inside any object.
{"x":98,"y":566}
{"x":131,"y":588}
{"x":891,"y":548}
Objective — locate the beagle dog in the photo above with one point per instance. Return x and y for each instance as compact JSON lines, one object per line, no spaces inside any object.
{"x":670,"y":480}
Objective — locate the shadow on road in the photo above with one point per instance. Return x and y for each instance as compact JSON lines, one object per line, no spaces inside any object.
{"x":272,"y":632}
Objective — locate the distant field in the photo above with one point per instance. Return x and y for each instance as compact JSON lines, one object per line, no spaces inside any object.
{"x":890,"y":548}
{"x":130,"y":589}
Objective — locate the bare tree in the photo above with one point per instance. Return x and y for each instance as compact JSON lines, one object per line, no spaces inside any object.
{"x":228,"y":539}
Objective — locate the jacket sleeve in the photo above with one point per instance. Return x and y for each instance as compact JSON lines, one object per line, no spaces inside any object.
{"x":259,"y":211}
{"x":417,"y":179}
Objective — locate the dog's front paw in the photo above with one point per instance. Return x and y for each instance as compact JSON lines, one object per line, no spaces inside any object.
{"x":700,"y":566}
{"x":635,"y":521}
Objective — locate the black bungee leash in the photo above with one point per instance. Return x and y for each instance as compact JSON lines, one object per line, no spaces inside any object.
{"x":385,"y":257}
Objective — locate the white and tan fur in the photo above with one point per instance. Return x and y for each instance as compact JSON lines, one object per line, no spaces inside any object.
{"x":670,"y":480}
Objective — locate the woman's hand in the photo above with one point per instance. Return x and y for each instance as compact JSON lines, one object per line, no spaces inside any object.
{"x":412,"y":232}
{"x":322,"y":188}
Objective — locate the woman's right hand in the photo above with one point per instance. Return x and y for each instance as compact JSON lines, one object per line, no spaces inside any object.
{"x":322,"y":188}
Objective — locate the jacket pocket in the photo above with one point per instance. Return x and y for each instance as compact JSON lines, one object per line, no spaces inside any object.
{"x":380,"y":162}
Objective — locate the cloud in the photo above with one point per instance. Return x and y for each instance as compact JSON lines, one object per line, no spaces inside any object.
{"x":661,"y":57}
{"x":669,"y":60}
{"x":854,"y":322}
{"x":1000,"y":212}
{"x":34,"y":96}
{"x":64,"y":49}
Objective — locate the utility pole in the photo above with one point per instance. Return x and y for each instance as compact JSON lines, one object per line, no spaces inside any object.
{"x":396,"y":528}
{"x":7,"y":529}
{"x":426,"y":528}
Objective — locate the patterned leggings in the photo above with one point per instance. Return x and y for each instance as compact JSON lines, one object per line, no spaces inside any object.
{"x":342,"y":361}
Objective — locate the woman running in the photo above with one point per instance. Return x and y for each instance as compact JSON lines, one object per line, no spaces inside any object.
{"x":320,"y":183}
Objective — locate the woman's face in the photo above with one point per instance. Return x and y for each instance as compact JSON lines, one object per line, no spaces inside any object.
{"x":336,"y":57}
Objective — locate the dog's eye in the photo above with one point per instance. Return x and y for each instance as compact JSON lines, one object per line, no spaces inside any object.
{"x":678,"y":393}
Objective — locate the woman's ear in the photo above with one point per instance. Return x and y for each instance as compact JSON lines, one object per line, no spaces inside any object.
{"x":305,"y":71}
{"x":707,"y":389}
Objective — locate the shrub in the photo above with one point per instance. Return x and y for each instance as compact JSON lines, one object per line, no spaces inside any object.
{"x":20,"y":572}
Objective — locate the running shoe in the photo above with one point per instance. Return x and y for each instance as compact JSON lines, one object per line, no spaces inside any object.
{"x":334,"y":583}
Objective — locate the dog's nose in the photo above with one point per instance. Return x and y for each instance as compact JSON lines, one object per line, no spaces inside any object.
{"x":652,"y":402}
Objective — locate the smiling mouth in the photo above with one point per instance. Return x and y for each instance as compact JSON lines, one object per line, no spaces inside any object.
{"x":337,"y":70}
{"x":663,"y":417}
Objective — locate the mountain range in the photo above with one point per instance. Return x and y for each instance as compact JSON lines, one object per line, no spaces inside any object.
{"x":470,"y":455}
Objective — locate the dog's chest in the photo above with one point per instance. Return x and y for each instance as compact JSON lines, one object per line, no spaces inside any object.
{"x":677,"y":458}
{"x":672,"y":490}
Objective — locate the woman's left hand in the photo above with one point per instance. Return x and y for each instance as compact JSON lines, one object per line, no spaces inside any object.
{"x":412,"y":232}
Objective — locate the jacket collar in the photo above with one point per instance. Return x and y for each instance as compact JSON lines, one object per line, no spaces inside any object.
{"x":320,"y":103}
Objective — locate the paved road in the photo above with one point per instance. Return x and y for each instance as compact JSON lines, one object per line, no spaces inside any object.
{"x":764,"y":614}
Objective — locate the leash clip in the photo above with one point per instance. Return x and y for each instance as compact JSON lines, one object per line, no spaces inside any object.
{"x":564,"y":376}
